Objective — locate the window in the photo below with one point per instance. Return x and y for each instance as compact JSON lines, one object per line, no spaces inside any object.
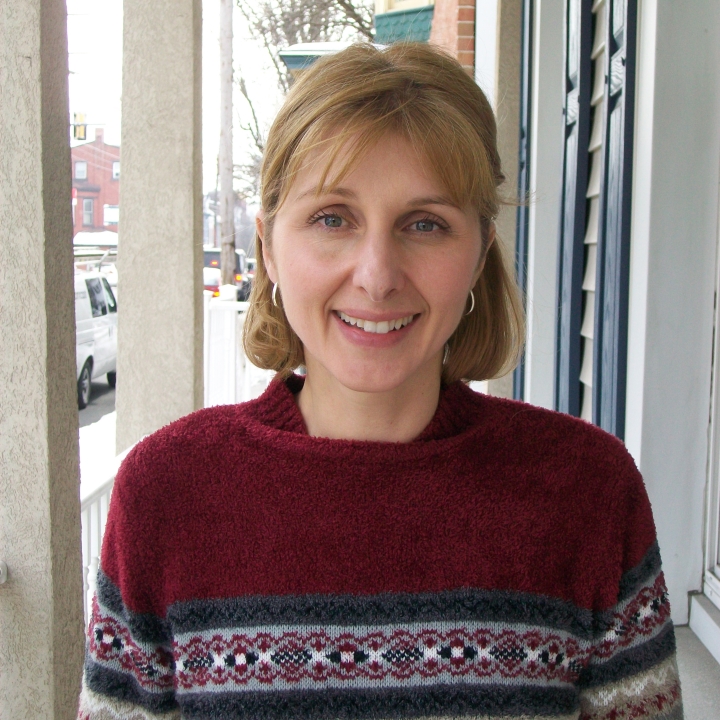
{"x":112,"y":303}
{"x":111,"y":214}
{"x":81,"y":170}
{"x":88,"y":212}
{"x":116,"y":170}
{"x":97,"y":297}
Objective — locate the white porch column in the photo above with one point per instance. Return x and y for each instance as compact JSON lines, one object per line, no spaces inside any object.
{"x":41,"y":612}
{"x":160,"y":355}
{"x":546,"y":164}
{"x":672,"y":274}
{"x":507,"y":110}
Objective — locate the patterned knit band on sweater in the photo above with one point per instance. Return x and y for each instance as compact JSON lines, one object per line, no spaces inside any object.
{"x":504,"y":564}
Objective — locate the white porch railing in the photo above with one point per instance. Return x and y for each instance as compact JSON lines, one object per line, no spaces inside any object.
{"x":229,"y":378}
{"x":94,"y":503}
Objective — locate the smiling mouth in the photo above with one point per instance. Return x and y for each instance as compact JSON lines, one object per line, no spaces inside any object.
{"x":381,"y":328}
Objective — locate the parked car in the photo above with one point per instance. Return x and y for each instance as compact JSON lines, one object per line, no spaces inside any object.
{"x":211,"y":280}
{"x":95,"y":332}
{"x":211,"y":257}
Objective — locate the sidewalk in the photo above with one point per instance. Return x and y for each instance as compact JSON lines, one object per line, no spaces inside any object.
{"x":699,"y":677}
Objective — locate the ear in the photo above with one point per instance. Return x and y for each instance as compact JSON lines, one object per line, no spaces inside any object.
{"x":487,"y":242}
{"x":267,"y":257}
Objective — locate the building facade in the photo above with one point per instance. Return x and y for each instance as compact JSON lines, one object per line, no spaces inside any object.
{"x":609,"y":131}
{"x":96,"y":185}
{"x":616,"y":248}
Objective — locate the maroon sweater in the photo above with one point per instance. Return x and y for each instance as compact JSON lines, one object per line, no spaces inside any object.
{"x":504,"y":563}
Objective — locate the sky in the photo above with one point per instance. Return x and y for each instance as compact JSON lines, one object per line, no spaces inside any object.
{"x":95,"y":58}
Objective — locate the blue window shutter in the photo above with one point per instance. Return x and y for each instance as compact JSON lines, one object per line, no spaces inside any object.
{"x":613,"y":263}
{"x":578,"y":44}
{"x":523,"y":211}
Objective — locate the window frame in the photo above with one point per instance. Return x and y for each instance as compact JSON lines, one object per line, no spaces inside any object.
{"x":116,"y":170}
{"x":105,"y":220}
{"x":711,"y":579}
{"x":110,"y":299}
{"x":94,"y":295}
{"x":79,"y":163}
{"x":85,"y":212}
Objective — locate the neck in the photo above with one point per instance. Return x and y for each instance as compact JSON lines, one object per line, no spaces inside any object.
{"x":333,"y":410}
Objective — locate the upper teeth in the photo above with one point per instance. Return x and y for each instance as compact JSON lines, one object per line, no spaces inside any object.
{"x":381,"y":327}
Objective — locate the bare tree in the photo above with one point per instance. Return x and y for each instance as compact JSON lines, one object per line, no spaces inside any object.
{"x":279,"y":24}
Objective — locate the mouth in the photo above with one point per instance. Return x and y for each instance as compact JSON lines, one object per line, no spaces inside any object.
{"x":379,"y":328}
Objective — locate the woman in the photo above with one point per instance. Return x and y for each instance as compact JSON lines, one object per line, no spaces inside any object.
{"x":373,"y":539}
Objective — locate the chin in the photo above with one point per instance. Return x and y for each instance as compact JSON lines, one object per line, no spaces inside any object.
{"x":372,"y":379}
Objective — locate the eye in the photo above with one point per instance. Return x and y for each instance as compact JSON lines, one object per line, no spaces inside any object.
{"x":329,"y":220}
{"x":425,"y":225}
{"x":332,"y":221}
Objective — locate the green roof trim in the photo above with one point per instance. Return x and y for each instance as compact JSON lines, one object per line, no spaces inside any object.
{"x":303,"y":55}
{"x":404,"y":25}
{"x":298,"y":62}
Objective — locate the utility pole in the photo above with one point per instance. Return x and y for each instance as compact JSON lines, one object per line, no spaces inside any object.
{"x":227,"y":204}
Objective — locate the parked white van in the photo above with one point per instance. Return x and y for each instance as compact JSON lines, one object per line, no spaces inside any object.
{"x":95,"y":332}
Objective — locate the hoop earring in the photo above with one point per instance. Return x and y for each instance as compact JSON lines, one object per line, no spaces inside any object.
{"x":472,"y":303}
{"x":274,"y":295}
{"x":447,"y":352}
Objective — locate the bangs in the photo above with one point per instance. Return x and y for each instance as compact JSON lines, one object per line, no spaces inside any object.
{"x":341,"y":135}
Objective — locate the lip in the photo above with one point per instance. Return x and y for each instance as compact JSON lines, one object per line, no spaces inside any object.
{"x":358,"y":336}
{"x":375,"y":316}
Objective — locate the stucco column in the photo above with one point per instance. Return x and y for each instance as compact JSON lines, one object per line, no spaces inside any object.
{"x":160,"y":357}
{"x":507,"y":104}
{"x":41,"y":611}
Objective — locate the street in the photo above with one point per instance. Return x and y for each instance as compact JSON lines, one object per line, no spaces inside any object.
{"x":102,"y":402}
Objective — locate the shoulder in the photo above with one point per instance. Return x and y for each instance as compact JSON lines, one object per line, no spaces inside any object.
{"x":182,"y":444}
{"x":194,"y":462}
{"x":205,"y":440}
{"x":167,"y":493}
{"x":588,"y":471}
{"x":537,"y":433}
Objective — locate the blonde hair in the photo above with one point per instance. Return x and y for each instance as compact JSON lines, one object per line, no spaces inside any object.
{"x":355,"y":97}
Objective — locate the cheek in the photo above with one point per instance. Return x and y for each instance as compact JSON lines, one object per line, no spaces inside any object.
{"x":306,"y":287}
{"x":451,"y":281}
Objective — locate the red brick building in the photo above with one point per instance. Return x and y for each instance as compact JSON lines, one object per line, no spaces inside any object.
{"x":96,"y":185}
{"x":453,"y":28}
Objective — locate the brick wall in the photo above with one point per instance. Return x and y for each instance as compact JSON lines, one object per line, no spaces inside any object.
{"x":453,"y":28}
{"x":100,"y":187}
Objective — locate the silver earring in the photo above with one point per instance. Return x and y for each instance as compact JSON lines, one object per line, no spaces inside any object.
{"x":274,"y":295}
{"x":472,"y":303}
{"x":447,"y":352}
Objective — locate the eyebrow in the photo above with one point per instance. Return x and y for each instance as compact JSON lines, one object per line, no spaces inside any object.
{"x":346,"y":193}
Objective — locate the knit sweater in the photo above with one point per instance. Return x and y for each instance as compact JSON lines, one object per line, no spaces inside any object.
{"x":503,"y":564}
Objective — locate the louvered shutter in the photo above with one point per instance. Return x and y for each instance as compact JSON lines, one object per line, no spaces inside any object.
{"x":613,"y":250}
{"x":578,"y":39}
{"x":596,"y":160}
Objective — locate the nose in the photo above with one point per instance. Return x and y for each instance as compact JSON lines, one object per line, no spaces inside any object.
{"x":378,"y":266}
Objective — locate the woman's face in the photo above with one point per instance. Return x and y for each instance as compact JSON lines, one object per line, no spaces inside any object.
{"x":374,"y":276}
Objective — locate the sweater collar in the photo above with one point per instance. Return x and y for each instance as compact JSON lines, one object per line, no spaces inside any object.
{"x":457,"y":408}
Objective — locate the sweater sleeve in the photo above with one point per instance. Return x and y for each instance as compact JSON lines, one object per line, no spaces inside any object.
{"x":632,"y":674}
{"x":129,"y":666}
